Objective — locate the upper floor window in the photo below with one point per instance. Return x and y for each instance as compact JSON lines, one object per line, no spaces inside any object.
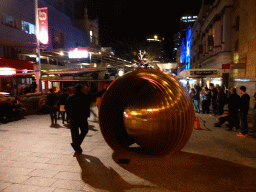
{"x":8,"y":20}
{"x":91,"y":36}
{"x":237,"y":23}
{"x":28,"y":27}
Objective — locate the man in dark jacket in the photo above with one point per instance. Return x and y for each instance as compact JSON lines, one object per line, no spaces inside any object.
{"x":214,"y":93}
{"x":52,"y":101}
{"x":243,"y":111}
{"x":78,"y":109}
{"x":233,"y":106}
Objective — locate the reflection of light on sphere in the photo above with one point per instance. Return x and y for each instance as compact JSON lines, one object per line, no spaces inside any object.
{"x":43,"y":37}
{"x":147,"y":107}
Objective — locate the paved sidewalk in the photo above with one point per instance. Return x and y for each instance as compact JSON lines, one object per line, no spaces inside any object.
{"x":36,"y":157}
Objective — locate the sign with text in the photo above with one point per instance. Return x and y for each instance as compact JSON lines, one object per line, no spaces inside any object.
{"x":213,"y":72}
{"x":43,"y":25}
{"x":77,"y":53}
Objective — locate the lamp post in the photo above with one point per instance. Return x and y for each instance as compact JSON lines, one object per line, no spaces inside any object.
{"x":38,"y":65}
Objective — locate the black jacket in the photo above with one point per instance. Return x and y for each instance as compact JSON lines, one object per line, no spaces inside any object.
{"x":78,"y":105}
{"x":244,"y":103}
{"x":63,"y":99}
{"x":214,"y":93}
{"x":52,"y":99}
{"x":233,"y":102}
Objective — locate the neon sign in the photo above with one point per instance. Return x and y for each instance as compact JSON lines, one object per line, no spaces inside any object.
{"x":77,"y":53}
{"x":185,"y":48}
{"x":7,"y":71}
{"x":188,"y":45}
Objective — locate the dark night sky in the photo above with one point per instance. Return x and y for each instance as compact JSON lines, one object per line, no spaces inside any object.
{"x":132,"y":20}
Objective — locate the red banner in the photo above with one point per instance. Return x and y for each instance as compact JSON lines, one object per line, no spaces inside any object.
{"x":43,"y":25}
{"x":225,"y":66}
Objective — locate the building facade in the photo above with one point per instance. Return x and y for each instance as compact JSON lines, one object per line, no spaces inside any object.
{"x":210,"y":45}
{"x":243,"y":45}
{"x":18,"y":34}
{"x":224,"y":44}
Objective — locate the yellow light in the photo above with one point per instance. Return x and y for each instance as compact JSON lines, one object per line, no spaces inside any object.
{"x":155,"y":37}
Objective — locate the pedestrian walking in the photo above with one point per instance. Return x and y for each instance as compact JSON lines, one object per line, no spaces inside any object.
{"x":243,"y":111}
{"x":197,"y":100}
{"x":62,"y":102}
{"x":214,"y":93}
{"x":52,"y":101}
{"x":78,"y":109}
{"x":206,"y":100}
{"x":233,"y":106}
{"x":254,"y":115}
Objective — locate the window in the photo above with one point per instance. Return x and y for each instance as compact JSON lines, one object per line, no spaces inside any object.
{"x":28,"y":27}
{"x":10,"y":21}
{"x":222,"y":39}
{"x":237,"y":23}
{"x":236,"y":46}
{"x":58,"y":39}
{"x":91,"y":36}
{"x":236,"y":58}
{"x":210,"y":40}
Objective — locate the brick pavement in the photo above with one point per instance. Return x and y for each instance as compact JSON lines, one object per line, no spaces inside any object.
{"x":36,"y":157}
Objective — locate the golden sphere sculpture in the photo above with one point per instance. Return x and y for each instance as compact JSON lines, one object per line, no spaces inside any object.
{"x":147,"y":107}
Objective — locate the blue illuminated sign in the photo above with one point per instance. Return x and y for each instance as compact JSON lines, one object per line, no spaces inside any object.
{"x":185,"y":48}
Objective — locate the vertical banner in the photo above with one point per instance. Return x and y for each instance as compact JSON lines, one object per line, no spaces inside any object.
{"x":43,"y":25}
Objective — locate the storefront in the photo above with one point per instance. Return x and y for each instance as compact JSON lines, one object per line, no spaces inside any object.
{"x":59,"y":79}
{"x":15,"y":76}
{"x":203,"y":77}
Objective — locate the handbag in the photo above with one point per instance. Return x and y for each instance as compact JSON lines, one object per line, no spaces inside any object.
{"x":62,"y":107}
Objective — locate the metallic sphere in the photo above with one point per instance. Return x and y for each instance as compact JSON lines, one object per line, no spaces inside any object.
{"x":147,"y":107}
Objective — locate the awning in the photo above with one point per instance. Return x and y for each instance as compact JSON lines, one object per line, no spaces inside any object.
{"x":16,"y":64}
{"x":198,"y":73}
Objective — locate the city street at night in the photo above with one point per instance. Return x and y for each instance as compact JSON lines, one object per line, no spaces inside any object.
{"x":171,"y":91}
{"x":37,"y":157}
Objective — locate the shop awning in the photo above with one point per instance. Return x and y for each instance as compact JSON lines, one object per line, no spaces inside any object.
{"x":16,"y":64}
{"x":198,"y":73}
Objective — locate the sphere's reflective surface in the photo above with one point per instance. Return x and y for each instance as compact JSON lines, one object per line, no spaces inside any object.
{"x":147,"y":107}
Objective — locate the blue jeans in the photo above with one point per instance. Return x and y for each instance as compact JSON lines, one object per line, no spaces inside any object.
{"x":196,"y":103}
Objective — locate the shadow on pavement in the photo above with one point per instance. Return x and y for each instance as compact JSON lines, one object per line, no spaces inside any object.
{"x":91,"y":127}
{"x":189,"y":172}
{"x":97,"y":175}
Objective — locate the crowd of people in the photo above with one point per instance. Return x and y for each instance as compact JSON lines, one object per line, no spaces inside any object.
{"x":215,"y":97}
{"x":11,"y":110}
{"x":74,"y":107}
{"x":54,"y":104}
